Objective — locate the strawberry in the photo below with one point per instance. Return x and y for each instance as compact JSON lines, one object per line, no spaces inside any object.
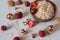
{"x":18,"y":15}
{"x":34,"y":4}
{"x":27,"y":3}
{"x":41,"y":33}
{"x":3,"y":28}
{"x":31,"y":24}
{"x":19,"y":2}
{"x":33,"y":11}
{"x":16,"y":38}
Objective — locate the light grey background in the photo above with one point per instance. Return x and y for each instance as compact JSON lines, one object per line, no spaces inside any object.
{"x":14,"y":28}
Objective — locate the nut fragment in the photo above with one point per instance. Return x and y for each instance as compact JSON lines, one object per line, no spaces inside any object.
{"x":3,"y":28}
{"x":33,"y":35}
{"x":50,"y":29}
{"x":25,"y":23}
{"x":10,"y":16}
{"x":57,"y":20}
{"x":23,"y":31}
{"x":11,"y":3}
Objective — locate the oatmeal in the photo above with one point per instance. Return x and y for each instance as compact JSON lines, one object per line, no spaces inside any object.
{"x":45,"y":10}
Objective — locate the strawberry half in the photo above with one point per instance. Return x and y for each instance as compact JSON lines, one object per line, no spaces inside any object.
{"x":34,"y":4}
{"x":31,"y":23}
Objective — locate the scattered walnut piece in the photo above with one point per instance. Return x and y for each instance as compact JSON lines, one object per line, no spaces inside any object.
{"x":11,"y":3}
{"x":57,"y":20}
{"x":33,"y":35}
{"x":25,"y":23}
{"x":23,"y":31}
{"x":10,"y":16}
{"x":50,"y":29}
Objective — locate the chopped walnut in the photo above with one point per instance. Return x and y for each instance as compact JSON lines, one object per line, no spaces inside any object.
{"x":23,"y":31}
{"x":33,"y":35}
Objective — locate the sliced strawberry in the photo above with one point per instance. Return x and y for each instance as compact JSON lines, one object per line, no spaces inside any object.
{"x":31,"y":24}
{"x":34,"y":4}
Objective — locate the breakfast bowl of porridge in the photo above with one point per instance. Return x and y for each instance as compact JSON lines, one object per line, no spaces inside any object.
{"x":43,"y":10}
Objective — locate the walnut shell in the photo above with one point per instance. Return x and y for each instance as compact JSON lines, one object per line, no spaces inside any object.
{"x":11,"y":3}
{"x":57,"y":20}
{"x":50,"y":29}
{"x":10,"y":16}
{"x":23,"y":31}
{"x":33,"y":35}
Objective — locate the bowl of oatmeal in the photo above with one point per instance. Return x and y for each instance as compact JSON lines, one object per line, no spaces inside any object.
{"x":44,"y":11}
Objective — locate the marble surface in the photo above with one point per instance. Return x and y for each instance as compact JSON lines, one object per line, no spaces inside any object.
{"x":14,"y":26}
